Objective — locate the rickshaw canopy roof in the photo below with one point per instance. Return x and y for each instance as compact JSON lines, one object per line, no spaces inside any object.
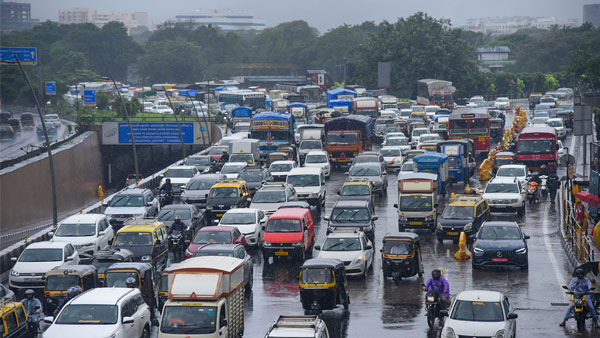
{"x":297,"y":105}
{"x":115,"y":254}
{"x":140,"y":267}
{"x":241,"y":112}
{"x":401,"y":235}
{"x":431,"y":157}
{"x":413,"y":176}
{"x":72,"y":269}
{"x":323,"y":263}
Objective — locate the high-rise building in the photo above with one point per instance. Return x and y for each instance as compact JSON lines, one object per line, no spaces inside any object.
{"x":509,"y":25}
{"x":591,"y":14}
{"x":226,"y":19}
{"x":132,"y":20}
{"x":15,"y":16}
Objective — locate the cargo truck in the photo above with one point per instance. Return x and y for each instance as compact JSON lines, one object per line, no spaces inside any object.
{"x":417,"y":201}
{"x":347,"y":136}
{"x":435,"y":92}
{"x":245,"y":150}
{"x":367,"y":106}
{"x":205,"y":299}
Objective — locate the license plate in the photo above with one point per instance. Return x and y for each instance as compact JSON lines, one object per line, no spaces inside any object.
{"x":281,"y":253}
{"x":452,"y":233}
{"x":219,"y":215}
{"x":500,"y":206}
{"x":416,"y":223}
{"x":499,"y":259}
{"x":31,"y":279}
{"x":340,"y":160}
{"x":482,"y":138}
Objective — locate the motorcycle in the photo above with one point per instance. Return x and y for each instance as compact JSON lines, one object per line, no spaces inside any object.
{"x":165,"y":198}
{"x":580,"y":310}
{"x":33,"y":325}
{"x":544,"y":185}
{"x":176,"y":239}
{"x":433,"y":305}
{"x":533,"y":194}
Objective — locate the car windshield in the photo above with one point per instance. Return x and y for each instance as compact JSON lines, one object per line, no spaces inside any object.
{"x":127,"y":201}
{"x":505,"y":188}
{"x":316,"y":276}
{"x":390,"y":152}
{"x":536,"y":147}
{"x":476,"y":311}
{"x":61,"y":282}
{"x":117,"y":279}
{"x":413,"y":203}
{"x":284,"y":225}
{"x":223,"y":193}
{"x":511,"y":172}
{"x":397,"y":247}
{"x":500,"y":233}
{"x":539,"y":120}
{"x":408,"y":166}
{"x":133,"y":239}
{"x":269,"y":196}
{"x":303,"y":180}
{"x":316,"y":159}
{"x":182,"y":173}
{"x":217,"y":151}
{"x":458,"y":212}
{"x":200,"y":184}
{"x":41,"y":255}
{"x":419,"y":132}
{"x":352,"y":215}
{"x":251,"y":176}
{"x":341,"y":244}
{"x":429,"y":138}
{"x":554,"y":123}
{"x":76,"y":230}
{"x":232,"y":169}
{"x":170,"y":214}
{"x":200,"y":161}
{"x":356,"y":190}
{"x":189,"y":320}
{"x":342,"y":138}
{"x":365,"y":171}
{"x":75,"y":314}
{"x":238,"y":218}
{"x":310,"y":144}
{"x":281,"y":167}
{"x":221,"y":237}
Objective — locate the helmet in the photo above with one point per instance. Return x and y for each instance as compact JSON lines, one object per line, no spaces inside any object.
{"x":436,"y":274}
{"x":74,"y":290}
{"x":578,"y":272}
{"x":543,"y":167}
{"x":177,"y":218}
{"x":29,"y":292}
{"x":130,"y":280}
{"x":168,"y":180}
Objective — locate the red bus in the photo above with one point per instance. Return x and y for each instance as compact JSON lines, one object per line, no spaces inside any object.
{"x":471,"y":124}
{"x":536,"y":146}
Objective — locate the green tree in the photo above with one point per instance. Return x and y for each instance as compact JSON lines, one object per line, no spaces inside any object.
{"x":102,"y":101}
{"x":519,"y":86}
{"x":133,"y":107}
{"x":172,"y":61}
{"x":550,"y":83}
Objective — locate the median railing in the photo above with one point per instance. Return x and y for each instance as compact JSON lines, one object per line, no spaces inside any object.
{"x":579,"y":245}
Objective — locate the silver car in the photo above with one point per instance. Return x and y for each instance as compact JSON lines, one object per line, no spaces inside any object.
{"x":373,"y":172}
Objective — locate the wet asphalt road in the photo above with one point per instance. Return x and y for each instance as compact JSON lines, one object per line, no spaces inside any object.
{"x":380,"y":308}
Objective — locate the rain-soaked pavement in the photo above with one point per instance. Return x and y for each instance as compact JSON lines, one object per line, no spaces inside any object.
{"x":380,"y":308}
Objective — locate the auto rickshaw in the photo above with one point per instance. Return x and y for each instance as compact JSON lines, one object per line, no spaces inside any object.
{"x":118,"y":273}
{"x":410,"y":154}
{"x":104,"y":258}
{"x":276,"y":156}
{"x":163,"y":285}
{"x":440,"y":131}
{"x":496,"y":128}
{"x":401,"y":255}
{"x":59,"y":279}
{"x":289,"y":150}
{"x":504,"y":157}
{"x":403,"y":126}
{"x":415,"y":124}
{"x":323,"y":285}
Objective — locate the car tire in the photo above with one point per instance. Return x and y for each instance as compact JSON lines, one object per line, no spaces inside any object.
{"x":440,"y":240}
{"x":521,"y":210}
{"x":145,"y":332}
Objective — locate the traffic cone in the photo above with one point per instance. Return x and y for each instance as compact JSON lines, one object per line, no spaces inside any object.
{"x":463,"y":252}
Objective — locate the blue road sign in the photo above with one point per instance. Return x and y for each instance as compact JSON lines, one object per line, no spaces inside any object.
{"x":26,"y":55}
{"x":89,"y":97}
{"x":50,"y":88}
{"x":156,"y":132}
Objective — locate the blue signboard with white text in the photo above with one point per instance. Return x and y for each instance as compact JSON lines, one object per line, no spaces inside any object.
{"x":156,"y":133}
{"x":50,"y":88}
{"x":89,"y":97}
{"x":26,"y":55}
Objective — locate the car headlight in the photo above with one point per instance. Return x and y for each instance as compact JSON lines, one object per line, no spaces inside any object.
{"x":450,"y":333}
{"x":297,"y":244}
{"x":146,"y":258}
{"x":358,"y":258}
{"x":209,"y":207}
{"x":521,"y":251}
{"x":477,"y":250}
{"x":188,"y":253}
{"x":514,"y":200}
{"x":469,"y":226}
{"x":266,"y":243}
{"x":403,"y":219}
{"x":429,"y":218}
{"x":500,"y":334}
{"x":14,"y":273}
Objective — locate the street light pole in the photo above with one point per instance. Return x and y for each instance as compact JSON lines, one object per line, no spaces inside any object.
{"x":178,"y":124}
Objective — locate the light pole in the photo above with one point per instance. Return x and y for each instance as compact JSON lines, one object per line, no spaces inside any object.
{"x":176,"y":120}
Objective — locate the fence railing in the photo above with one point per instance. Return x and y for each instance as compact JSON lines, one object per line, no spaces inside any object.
{"x":577,"y":238}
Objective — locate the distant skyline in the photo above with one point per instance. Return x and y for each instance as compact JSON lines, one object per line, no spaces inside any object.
{"x":326,"y":14}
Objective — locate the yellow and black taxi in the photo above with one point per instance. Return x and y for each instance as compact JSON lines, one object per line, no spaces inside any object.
{"x":147,"y":239}
{"x":59,"y":279}
{"x":358,"y":189}
{"x":13,"y":321}
{"x":464,"y":213}
{"x":227,"y":194}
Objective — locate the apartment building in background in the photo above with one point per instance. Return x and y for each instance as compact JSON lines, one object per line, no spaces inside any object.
{"x":131,"y":20}
{"x":509,"y":25}
{"x":591,"y":14}
{"x":15,"y":16}
{"x":225,"y":19}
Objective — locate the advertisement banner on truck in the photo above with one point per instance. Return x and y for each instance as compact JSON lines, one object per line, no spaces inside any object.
{"x":270,"y":124}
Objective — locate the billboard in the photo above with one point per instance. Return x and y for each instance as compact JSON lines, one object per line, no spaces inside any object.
{"x":154,"y":133}
{"x":383,"y":74}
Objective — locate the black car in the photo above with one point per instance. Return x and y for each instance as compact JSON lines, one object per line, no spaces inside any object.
{"x":4,"y":116}
{"x":500,"y":243}
{"x":7,"y":133}
{"x":193,"y":217}
{"x":230,"y":250}
{"x":15,"y":124}
{"x":295,"y":205}
{"x":204,"y":163}
{"x":255,"y":178}
{"x":352,"y":214}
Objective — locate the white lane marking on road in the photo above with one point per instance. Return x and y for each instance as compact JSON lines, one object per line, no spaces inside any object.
{"x":549,"y":249}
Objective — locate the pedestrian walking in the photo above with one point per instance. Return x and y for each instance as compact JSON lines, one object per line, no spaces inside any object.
{"x":553,"y":183}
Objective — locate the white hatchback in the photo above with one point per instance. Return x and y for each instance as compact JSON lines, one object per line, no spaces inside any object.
{"x":318,"y":159}
{"x":87,"y":232}
{"x":480,"y":313}
{"x":514,"y":170}
{"x":249,"y":221}
{"x":351,"y":247}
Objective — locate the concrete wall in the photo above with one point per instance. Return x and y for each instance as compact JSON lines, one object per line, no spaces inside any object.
{"x":25,"y":189}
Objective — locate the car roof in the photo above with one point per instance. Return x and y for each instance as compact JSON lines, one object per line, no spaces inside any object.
{"x":242,"y":211}
{"x":352,"y":203}
{"x":135,"y":191}
{"x":207,"y":177}
{"x":274,"y":186}
{"x":46,"y":245}
{"x":466,"y":200}
{"x":480,"y":295}
{"x":367,"y":164}
{"x":83,"y":218}
{"x":343,"y":233}
{"x":289,"y":212}
{"x":107,"y":296}
{"x":177,"y":206}
{"x":512,"y":166}
{"x":218,"y":247}
{"x":503,"y":179}
{"x":235,"y":163}
{"x":283,"y":162}
{"x":305,"y":170}
{"x":182,"y":167}
{"x":316,"y":152}
{"x":141,"y":227}
{"x":220,"y":228}
{"x":500,"y":223}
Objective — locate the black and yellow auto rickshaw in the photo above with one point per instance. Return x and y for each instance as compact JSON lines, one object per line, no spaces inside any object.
{"x":117,"y":274}
{"x":504,"y":157}
{"x":163,"y":285}
{"x":276,"y":156}
{"x":61,"y":278}
{"x":289,"y":150}
{"x":323,"y":285}
{"x":401,"y":255}
{"x":104,"y":258}
{"x":496,"y":128}
{"x":403,"y":126}
{"x":440,"y":131}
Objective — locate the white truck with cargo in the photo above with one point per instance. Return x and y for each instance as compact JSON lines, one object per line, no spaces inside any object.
{"x":205,"y":299}
{"x":245,"y":150}
{"x":417,"y":201}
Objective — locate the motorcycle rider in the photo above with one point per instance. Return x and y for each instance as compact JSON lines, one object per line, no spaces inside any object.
{"x":439,"y":284}
{"x":535,"y":177}
{"x":225,"y":157}
{"x":72,"y":292}
{"x":553,"y":183}
{"x":33,"y":307}
{"x":167,"y":189}
{"x":178,"y":225}
{"x":582,"y":285}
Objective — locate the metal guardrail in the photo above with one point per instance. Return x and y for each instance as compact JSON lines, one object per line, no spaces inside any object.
{"x":577,"y":238}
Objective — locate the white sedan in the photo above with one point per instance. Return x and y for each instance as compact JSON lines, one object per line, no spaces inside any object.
{"x":558,"y":125}
{"x":353,"y":248}
{"x":392,"y":157}
{"x":502,"y":103}
{"x":480,"y":313}
{"x":514,"y":170}
{"x":161,"y":109}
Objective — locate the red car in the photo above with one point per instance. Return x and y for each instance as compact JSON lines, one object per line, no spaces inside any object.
{"x":215,"y":234}
{"x":217,"y":151}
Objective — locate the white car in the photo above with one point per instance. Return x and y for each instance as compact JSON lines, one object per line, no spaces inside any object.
{"x":280,"y":169}
{"x":148,"y":107}
{"x":416,"y":134}
{"x":353,"y":248}
{"x":392,"y":157}
{"x":393,"y":134}
{"x":390,"y":114}
{"x":161,"y":109}
{"x":513,"y":170}
{"x":179,"y":175}
{"x":480,"y":313}
{"x":272,"y":195}
{"x":37,"y":259}
{"x":407,"y":168}
{"x":130,"y":203}
{"x":298,"y":326}
{"x":400,"y":142}
{"x":502,"y":103}
{"x":87,"y":232}
{"x":428,"y":137}
{"x":231,"y":170}
{"x":318,"y":159}
{"x":476,"y":98}
{"x":54,"y":118}
{"x":558,"y":125}
{"x":249,"y":221}
{"x":538,"y":121}
{"x":309,"y":184}
{"x":102,"y":312}
{"x":405,"y":114}
{"x":505,"y":195}
{"x":431,"y":110}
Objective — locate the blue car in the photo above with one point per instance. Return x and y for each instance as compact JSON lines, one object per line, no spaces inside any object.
{"x":50,"y":127}
{"x":500,"y":243}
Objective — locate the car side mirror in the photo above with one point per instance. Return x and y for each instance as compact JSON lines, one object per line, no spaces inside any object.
{"x":396,"y":206}
{"x":249,"y":199}
{"x":48,"y":320}
{"x":512,"y":315}
{"x":473,"y":236}
{"x":444,"y":313}
{"x":374,"y":218}
{"x":69,"y":259}
{"x":318,"y":247}
{"x":215,"y":221}
{"x":264,"y":227}
{"x":128,"y":320}
{"x":347,"y":173}
{"x":223,"y":322}
{"x":368,"y":247}
{"x":324,"y":217}
{"x":13,"y":259}
{"x":101,"y":233}
{"x":149,"y":204}
{"x":526,"y":237}
{"x":50,"y":233}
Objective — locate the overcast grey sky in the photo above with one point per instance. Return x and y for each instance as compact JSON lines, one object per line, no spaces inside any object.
{"x":325,"y":14}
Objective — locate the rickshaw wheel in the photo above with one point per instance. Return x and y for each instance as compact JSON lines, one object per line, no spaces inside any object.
{"x":346,"y":302}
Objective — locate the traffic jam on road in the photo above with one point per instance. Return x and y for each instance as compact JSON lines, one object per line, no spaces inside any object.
{"x":359,"y":215}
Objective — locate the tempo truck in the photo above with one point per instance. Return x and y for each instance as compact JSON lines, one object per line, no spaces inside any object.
{"x":417,"y":201}
{"x":435,"y":92}
{"x":245,"y":150}
{"x":205,"y":299}
{"x":347,"y":136}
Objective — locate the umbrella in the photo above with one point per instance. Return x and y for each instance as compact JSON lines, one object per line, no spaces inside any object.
{"x":588,"y":198}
